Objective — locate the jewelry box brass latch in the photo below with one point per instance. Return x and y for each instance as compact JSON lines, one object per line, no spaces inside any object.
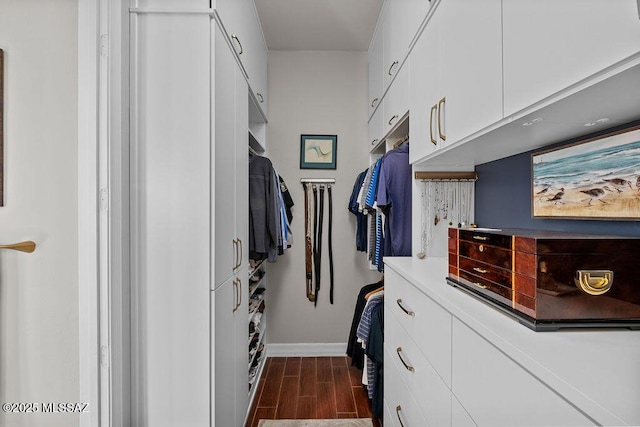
{"x":594,"y":282}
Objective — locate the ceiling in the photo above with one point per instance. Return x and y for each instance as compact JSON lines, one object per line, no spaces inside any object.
{"x":328,"y":25}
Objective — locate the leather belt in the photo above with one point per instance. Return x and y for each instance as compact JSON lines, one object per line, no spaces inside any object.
{"x":308,"y":249}
{"x":330,"y":245}
{"x":318,"y":258}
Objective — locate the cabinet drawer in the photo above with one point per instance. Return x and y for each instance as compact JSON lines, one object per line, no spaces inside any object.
{"x":494,"y":255}
{"x":483,"y":375}
{"x":432,"y":396}
{"x":403,"y":410}
{"x":422,"y":319}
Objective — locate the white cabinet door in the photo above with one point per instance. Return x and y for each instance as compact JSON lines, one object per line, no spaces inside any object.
{"x":241,"y":349}
{"x":241,"y":177}
{"x":496,"y":391}
{"x":233,"y":14}
{"x":257,"y":59}
{"x":550,"y":45}
{"x":375,"y":129}
{"x":376,"y":88}
{"x":459,"y":416}
{"x":423,"y":77}
{"x":470,"y":62}
{"x":396,"y":101}
{"x":224,"y":301}
{"x":170,"y":235}
{"x":224,"y":145}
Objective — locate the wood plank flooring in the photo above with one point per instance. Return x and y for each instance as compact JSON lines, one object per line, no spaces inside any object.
{"x":309,"y":387}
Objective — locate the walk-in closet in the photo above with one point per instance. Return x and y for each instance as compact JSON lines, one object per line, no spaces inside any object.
{"x":302,"y":213}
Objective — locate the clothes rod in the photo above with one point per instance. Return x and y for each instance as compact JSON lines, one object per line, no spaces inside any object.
{"x":319,"y":180}
{"x":447,"y":176}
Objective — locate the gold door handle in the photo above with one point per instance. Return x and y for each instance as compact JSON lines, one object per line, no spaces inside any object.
{"x":398,"y":409}
{"x":234,"y":37}
{"x":26,"y":246}
{"x":433,"y":140}
{"x":391,"y":68}
{"x":408,"y":312}
{"x":240,"y":292}
{"x":235,"y":254}
{"x":259,"y":95}
{"x":441,"y":104}
{"x":480,"y":270}
{"x":408,"y":367}
{"x":483,"y":238}
{"x":241,"y":251}
{"x":480,"y":285}
{"x":235,"y":295}
{"x":374,"y":102}
{"x":395,"y":116}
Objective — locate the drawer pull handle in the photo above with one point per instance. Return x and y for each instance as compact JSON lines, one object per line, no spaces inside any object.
{"x":398,"y":409}
{"x":391,"y":68}
{"x":374,"y":142}
{"x":433,"y":140}
{"x":594,"y":282}
{"x":258,"y":94}
{"x":234,"y":37}
{"x":395,"y":116}
{"x":480,"y":270}
{"x":483,"y":238}
{"x":408,"y":367}
{"x":374,"y":102}
{"x":408,"y":312}
{"x":480,"y":285}
{"x":440,"y":105}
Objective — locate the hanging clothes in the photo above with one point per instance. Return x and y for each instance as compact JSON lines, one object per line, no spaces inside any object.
{"x":394,"y":199}
{"x":361,"y":218}
{"x":354,"y":349}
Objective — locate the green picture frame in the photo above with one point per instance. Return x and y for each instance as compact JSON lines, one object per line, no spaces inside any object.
{"x":318,"y":151}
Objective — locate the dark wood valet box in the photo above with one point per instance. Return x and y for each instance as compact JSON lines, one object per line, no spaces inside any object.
{"x":548,"y":279}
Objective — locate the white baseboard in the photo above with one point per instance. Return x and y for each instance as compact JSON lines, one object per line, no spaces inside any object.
{"x":306,"y":349}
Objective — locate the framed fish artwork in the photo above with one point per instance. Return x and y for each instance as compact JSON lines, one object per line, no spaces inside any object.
{"x":597,"y":178}
{"x":318,"y":151}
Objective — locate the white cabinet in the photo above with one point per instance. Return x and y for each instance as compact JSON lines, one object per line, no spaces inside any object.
{"x":375,"y":129}
{"x":456,"y":77}
{"x":551,"y":45}
{"x":242,"y":25}
{"x":496,"y":391}
{"x":396,"y":101}
{"x":376,"y":85}
{"x":189,"y":223}
{"x":230,"y":399}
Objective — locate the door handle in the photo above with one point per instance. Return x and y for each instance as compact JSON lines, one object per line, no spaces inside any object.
{"x":433,"y":140}
{"x":234,"y":37}
{"x":441,"y":104}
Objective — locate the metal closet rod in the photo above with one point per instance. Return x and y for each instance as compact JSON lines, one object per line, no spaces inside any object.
{"x":319,"y":180}
{"x":447,"y":176}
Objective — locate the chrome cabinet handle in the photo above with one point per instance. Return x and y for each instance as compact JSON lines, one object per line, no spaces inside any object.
{"x":391,"y":68}
{"x":434,"y":108}
{"x":258,"y":94}
{"x":234,"y":37}
{"x":395,"y":116}
{"x":375,"y":101}
{"x":441,"y":104}
{"x":408,"y":367}
{"x":398,"y":409}
{"x":408,"y":312}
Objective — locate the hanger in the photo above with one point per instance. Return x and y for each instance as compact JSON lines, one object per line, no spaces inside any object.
{"x":375,"y":291}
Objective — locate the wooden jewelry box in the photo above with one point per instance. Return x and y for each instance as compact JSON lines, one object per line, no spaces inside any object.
{"x":550,"y":280}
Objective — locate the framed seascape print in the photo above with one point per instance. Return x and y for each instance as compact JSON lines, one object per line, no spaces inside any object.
{"x":598,"y":178}
{"x":318,"y":151}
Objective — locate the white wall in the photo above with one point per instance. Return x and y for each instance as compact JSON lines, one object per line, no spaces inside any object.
{"x":39,"y":291}
{"x":317,"y":93}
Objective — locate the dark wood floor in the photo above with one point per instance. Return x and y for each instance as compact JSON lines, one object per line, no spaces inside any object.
{"x":309,"y":387}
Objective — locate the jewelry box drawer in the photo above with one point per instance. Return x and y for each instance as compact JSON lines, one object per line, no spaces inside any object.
{"x":486,"y":271}
{"x":422,"y":319}
{"x":499,"y":240}
{"x":493,"y":255}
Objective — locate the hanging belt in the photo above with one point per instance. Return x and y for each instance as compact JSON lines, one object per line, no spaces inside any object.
{"x":318,"y":258}
{"x":315,"y":242}
{"x":330,"y":245}
{"x":308,"y":250}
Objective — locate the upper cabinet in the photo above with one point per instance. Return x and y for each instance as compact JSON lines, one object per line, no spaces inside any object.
{"x":240,"y":20}
{"x":376,"y":84}
{"x":550,"y":45}
{"x":456,"y":75}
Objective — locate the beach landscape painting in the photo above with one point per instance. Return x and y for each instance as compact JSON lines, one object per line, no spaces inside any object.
{"x":598,"y":178}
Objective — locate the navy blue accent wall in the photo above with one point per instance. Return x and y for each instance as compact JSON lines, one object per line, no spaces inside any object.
{"x":503,"y":198}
